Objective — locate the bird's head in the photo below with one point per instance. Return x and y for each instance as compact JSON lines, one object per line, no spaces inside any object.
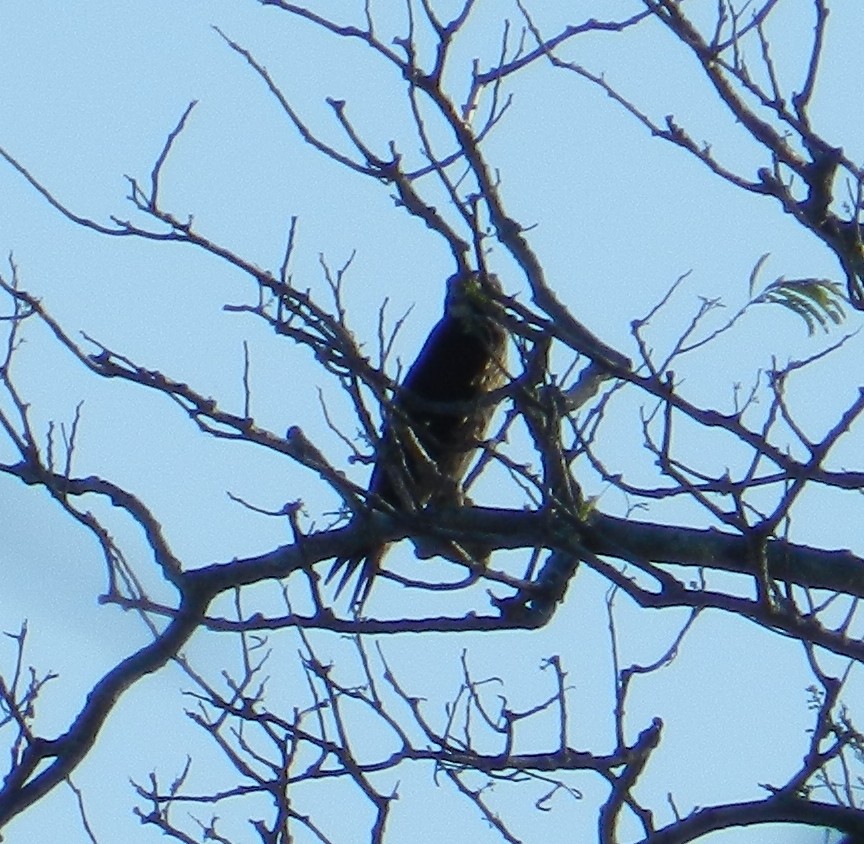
{"x":469,"y":294}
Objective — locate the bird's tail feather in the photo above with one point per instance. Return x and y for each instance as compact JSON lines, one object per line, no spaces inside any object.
{"x":365,"y":566}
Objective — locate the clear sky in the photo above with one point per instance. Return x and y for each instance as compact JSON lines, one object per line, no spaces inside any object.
{"x":88,"y":93}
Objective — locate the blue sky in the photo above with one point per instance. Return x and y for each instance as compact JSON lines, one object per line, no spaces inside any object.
{"x":88,"y":93}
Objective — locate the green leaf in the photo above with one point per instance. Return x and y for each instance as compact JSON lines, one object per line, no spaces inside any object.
{"x":818,"y":301}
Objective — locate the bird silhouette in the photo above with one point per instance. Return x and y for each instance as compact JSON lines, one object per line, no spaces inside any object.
{"x":438,"y":416}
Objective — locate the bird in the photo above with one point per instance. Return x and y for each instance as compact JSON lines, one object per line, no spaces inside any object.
{"x":438,"y":415}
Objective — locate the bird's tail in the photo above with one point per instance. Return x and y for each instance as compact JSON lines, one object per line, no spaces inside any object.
{"x":365,"y":566}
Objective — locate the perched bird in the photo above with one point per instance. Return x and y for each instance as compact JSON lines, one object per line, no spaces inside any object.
{"x":438,"y":416}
